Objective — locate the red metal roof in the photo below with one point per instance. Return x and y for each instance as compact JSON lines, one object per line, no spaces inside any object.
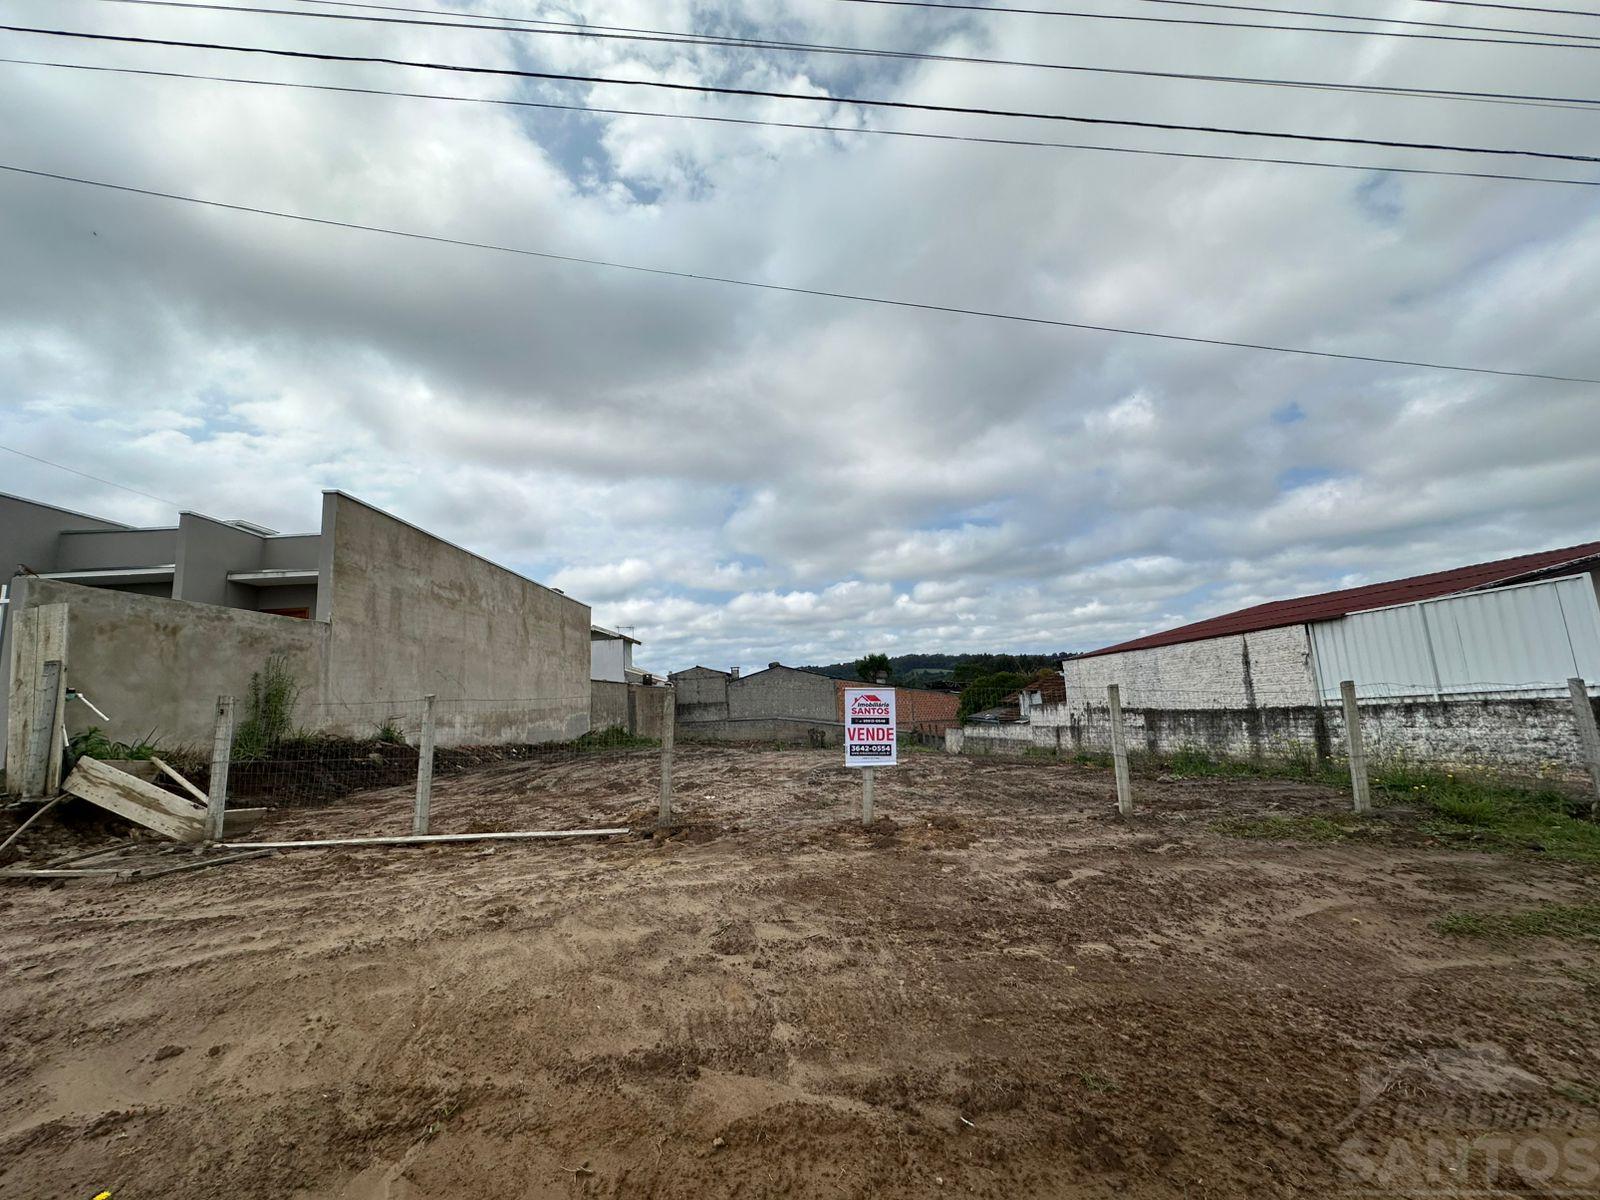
{"x":1326,"y":605}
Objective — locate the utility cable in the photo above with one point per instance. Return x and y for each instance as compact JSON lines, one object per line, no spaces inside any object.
{"x":85,"y":475}
{"x":905,"y":105}
{"x":1371,"y":20}
{"x":799,"y":125}
{"x":790,"y":289}
{"x":1094,"y":16}
{"x":626,"y":33}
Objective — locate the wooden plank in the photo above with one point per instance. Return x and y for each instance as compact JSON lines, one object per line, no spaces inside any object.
{"x":137,"y":801}
{"x":201,"y":865}
{"x":424,"y":839}
{"x":38,"y":635}
{"x":44,"y":745}
{"x":139,"y":768}
{"x":200,"y":797}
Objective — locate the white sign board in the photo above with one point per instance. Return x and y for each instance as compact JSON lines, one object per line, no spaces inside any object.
{"x":869,"y":727}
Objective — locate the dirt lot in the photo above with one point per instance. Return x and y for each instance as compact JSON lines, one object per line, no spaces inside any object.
{"x":1002,"y":990}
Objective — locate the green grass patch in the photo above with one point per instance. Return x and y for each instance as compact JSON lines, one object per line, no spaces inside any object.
{"x":615,"y":738}
{"x":1096,"y":1083}
{"x":1085,"y":758}
{"x":1481,"y":813}
{"x":1291,"y":829}
{"x":1573,"y":922}
{"x":1189,"y":763}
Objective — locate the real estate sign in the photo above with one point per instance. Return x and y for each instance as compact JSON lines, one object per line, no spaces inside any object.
{"x":869,"y":728}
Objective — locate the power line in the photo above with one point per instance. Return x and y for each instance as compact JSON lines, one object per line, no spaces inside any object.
{"x":1371,"y":20}
{"x":85,"y":475}
{"x":1093,"y":16}
{"x":577,"y":28}
{"x":790,"y":289}
{"x":671,"y":37}
{"x":1522,"y":8}
{"x":845,"y":129}
{"x":906,"y":105}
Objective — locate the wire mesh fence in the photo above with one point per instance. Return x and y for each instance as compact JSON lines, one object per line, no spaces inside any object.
{"x":1538,"y":732}
{"x":274,"y":751}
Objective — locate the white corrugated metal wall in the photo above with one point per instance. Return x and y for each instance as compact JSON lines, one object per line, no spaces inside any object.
{"x":1528,"y":639}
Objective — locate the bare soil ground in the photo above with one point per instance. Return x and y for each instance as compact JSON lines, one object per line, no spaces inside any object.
{"x":1001,"y":990}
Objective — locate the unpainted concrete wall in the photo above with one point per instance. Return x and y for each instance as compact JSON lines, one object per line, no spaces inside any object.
{"x":777,"y":730}
{"x":629,"y":706}
{"x":783,"y":692}
{"x":702,"y":695}
{"x":411,"y":615}
{"x":608,"y":705}
{"x":156,"y":665}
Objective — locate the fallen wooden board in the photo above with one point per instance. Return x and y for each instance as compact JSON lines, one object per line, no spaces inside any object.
{"x":201,"y":865}
{"x":135,"y":800}
{"x":422,"y":839}
{"x":200,"y":797}
{"x":146,"y":871}
{"x":139,"y":768}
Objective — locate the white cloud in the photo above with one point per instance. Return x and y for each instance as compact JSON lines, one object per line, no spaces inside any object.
{"x":745,"y":475}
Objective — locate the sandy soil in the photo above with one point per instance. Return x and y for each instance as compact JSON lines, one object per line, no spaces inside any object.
{"x":1002,"y":990}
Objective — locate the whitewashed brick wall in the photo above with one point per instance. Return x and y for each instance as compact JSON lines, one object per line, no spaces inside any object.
{"x":1271,"y":667}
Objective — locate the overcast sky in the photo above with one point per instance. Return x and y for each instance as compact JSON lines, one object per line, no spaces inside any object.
{"x":742,"y":476}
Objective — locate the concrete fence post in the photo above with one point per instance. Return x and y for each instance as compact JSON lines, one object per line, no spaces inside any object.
{"x":1588,"y":738}
{"x":1119,"y":751}
{"x":1360,"y":790}
{"x":419,"y":816}
{"x":669,"y":721}
{"x":221,"y":758}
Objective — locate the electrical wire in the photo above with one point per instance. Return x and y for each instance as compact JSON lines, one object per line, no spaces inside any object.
{"x":845,"y":129}
{"x":1093,"y":16}
{"x":709,"y":89}
{"x":1521,"y":8}
{"x":1333,"y":16}
{"x":85,"y":475}
{"x":791,"y":289}
{"x":671,"y":37}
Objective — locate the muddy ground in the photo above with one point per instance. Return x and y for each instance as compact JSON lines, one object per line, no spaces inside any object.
{"x":1002,"y":990}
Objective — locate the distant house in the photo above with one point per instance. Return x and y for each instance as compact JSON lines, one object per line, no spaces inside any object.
{"x":1052,"y":689}
{"x":611,"y":658}
{"x":789,"y":704}
{"x":1519,"y":626}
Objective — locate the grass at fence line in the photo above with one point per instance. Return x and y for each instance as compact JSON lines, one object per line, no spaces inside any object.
{"x":1200,"y":764}
{"x":1493,"y":814}
{"x":1303,"y":828}
{"x":614,"y":738}
{"x":1574,"y":922}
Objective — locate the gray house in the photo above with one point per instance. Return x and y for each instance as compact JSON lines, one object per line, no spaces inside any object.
{"x":152,"y":624}
{"x":780,"y":703}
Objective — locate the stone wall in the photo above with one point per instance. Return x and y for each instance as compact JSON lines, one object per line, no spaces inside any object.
{"x":1523,"y":737}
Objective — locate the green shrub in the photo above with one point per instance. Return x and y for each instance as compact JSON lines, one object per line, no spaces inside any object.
{"x":269,"y":710}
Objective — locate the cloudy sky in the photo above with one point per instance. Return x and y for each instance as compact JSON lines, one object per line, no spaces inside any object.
{"x":743,"y":475}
